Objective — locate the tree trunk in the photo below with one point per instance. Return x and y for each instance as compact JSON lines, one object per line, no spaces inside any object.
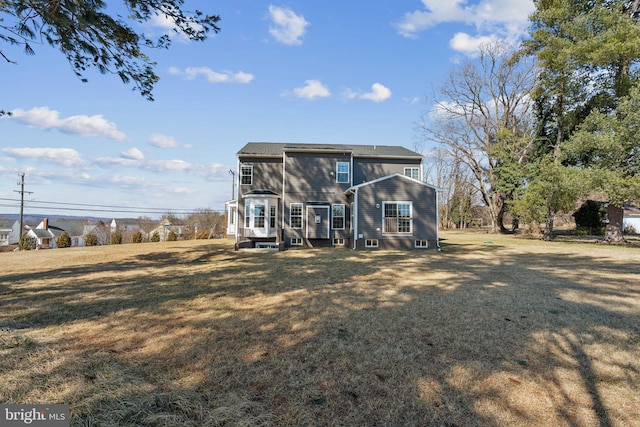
{"x":613,"y":233}
{"x":547,"y":235}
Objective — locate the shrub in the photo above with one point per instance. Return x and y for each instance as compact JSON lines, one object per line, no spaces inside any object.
{"x":172,"y":237}
{"x":91,"y":240}
{"x":137,"y":237}
{"x":64,"y":241}
{"x":27,"y":243}
{"x":591,"y":215}
{"x":155,"y":237}
{"x":116,"y":238}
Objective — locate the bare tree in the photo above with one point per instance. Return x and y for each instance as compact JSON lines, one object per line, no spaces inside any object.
{"x":482,"y":119}
{"x":455,"y":182}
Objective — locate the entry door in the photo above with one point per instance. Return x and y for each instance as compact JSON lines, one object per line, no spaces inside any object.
{"x":317,"y":222}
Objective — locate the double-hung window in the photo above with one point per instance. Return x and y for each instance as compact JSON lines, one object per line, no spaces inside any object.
{"x":342,"y":172}
{"x":337,"y":217}
{"x":258,"y":216}
{"x":246,"y":175}
{"x":295,"y":215}
{"x":413,"y":172}
{"x":397,"y":218}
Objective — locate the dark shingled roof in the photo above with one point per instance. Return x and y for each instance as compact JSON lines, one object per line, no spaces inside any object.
{"x":275,"y":149}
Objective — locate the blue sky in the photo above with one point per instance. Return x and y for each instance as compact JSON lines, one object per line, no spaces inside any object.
{"x":317,"y":72}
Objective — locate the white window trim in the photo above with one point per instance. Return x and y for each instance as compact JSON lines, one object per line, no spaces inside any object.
{"x":296,"y":241}
{"x":412,"y":168}
{"x":338,"y":241}
{"x":344,"y":216}
{"x":250,"y":175}
{"x":422,"y":244}
{"x":397,"y":202}
{"x":348,"y":172}
{"x":301,"y":215}
{"x":371,"y":243}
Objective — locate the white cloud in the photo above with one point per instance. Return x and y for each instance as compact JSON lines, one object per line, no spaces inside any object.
{"x":464,"y":43}
{"x":81,"y":125}
{"x":212,"y":76}
{"x":378,"y":93}
{"x":287,"y":27}
{"x":164,"y":141}
{"x":313,"y":89}
{"x":133,"y":154}
{"x":506,"y":19}
{"x":168,"y":26}
{"x":166,"y":165}
{"x":66,"y":157}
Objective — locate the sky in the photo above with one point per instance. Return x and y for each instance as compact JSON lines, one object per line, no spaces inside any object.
{"x":330,"y":72}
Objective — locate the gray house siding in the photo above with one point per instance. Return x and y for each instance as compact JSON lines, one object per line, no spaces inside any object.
{"x":368,"y":169}
{"x":307,"y":176}
{"x":311,"y":180}
{"x":371,"y":199}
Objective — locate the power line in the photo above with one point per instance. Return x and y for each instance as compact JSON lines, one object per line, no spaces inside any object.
{"x":84,"y":207}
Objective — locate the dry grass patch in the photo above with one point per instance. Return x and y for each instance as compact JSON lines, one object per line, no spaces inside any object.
{"x":492,"y":331}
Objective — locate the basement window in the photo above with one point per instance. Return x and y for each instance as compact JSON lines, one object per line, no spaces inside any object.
{"x":371,"y":243}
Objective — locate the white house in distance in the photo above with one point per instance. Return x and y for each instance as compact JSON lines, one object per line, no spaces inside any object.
{"x":9,"y":232}
{"x":631,"y":220}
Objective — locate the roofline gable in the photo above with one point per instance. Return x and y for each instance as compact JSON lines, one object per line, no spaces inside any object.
{"x":384,"y":178}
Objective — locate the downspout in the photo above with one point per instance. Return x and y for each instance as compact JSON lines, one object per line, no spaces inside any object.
{"x":355,"y":217}
{"x":284,"y":180}
{"x":237,"y":201}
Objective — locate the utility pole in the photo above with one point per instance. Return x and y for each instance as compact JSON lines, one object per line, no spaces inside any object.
{"x":21,"y":191}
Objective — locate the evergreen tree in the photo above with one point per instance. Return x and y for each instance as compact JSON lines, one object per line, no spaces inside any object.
{"x":137,"y":237}
{"x":90,"y":37}
{"x":91,"y":240}
{"x":64,"y":241}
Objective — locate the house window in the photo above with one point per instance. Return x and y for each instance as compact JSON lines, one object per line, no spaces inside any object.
{"x":342,"y":172}
{"x":247,"y":215}
{"x":258,"y":216}
{"x":371,"y":243}
{"x":296,"y":241}
{"x":338,"y":241}
{"x":397,"y":218}
{"x":412,"y":172}
{"x":246,"y":175}
{"x":295,"y":219}
{"x":337,"y":214}
{"x":272,"y":216}
{"x":422,"y":243}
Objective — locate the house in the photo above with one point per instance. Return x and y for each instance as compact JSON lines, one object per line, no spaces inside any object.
{"x":9,"y":232}
{"x":77,"y":229}
{"x":129,"y":226}
{"x":631,"y":220}
{"x":167,"y":227}
{"x":45,"y":234}
{"x":356,"y":196}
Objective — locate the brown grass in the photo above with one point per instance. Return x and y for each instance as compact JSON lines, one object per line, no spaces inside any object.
{"x":493,"y":330}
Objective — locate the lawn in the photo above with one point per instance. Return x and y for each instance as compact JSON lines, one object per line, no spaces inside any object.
{"x":492,"y":331}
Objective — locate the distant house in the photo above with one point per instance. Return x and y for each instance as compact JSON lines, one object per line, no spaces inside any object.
{"x":78,"y":229}
{"x":45,"y":234}
{"x":357,"y":196}
{"x":128,"y":226}
{"x":167,"y":227}
{"x":9,"y":232}
{"x":631,"y":220}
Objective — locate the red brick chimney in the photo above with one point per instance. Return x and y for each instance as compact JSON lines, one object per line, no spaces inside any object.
{"x":45,"y":223}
